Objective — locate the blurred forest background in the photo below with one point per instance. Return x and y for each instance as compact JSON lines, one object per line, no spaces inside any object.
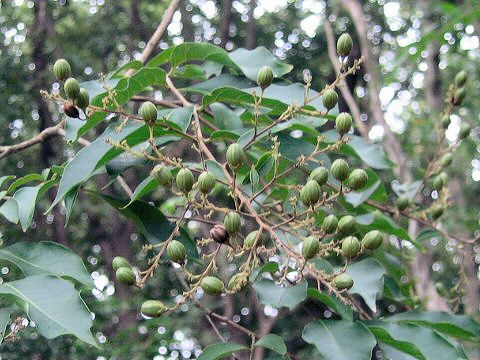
{"x":412,"y":49}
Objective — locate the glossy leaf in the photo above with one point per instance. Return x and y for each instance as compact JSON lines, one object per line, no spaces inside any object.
{"x":277,"y":296}
{"x":220,"y":351}
{"x":273,"y":342}
{"x":5,"y":314}
{"x":332,"y":302}
{"x":367,"y":278}
{"x":145,"y":187}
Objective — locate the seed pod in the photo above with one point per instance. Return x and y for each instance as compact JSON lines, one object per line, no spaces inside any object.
{"x":148,"y":112}
{"x":445,"y":121}
{"x":118,"y":262}
{"x":346,"y":224}
{"x":340,"y":169}
{"x":185,"y":180}
{"x":70,"y":110}
{"x":343,"y":281}
{"x":438,"y":183}
{"x":176,"y":251}
{"x":441,"y":289}
{"x":206,"y":182}
{"x":350,"y":247}
{"x":250,"y":240}
{"x":219,"y":234}
{"x":72,"y":88}
{"x":232,"y":223}
{"x":212,"y":285}
{"x":329,"y":98}
{"x":446,"y":160}
{"x":311,"y":246}
{"x":153,"y":308}
{"x":83,"y":99}
{"x":443,"y":175}
{"x":402,"y":202}
{"x":372,"y":240}
{"x":343,"y":123}
{"x":62,"y":69}
{"x":125,"y":275}
{"x":162,"y":174}
{"x":237,"y":282}
{"x":464,"y":131}
{"x":460,"y":79}
{"x":344,"y":44}
{"x":320,"y":175}
{"x":265,"y":77}
{"x":459,"y":96}
{"x":330,"y":224}
{"x":235,"y":156}
{"x":357,"y":179}
{"x":310,"y":193}
{"x":437,"y":211}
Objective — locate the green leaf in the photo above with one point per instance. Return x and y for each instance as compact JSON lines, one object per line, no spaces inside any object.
{"x":340,"y":339}
{"x":70,"y":200}
{"x":254,"y":177}
{"x":226,"y":118}
{"x":223,"y":80}
{"x":332,"y":302}
{"x":357,"y":198}
{"x":270,"y":267}
{"x":5,"y":314}
{"x":6,"y":179}
{"x":178,"y":117}
{"x":294,"y":93}
{"x":46,"y":257}
{"x":23,"y":180}
{"x":145,"y":187}
{"x":53,"y":304}
{"x":408,"y":189}
{"x":9,"y":210}
{"x":273,"y":342}
{"x":367,"y":278}
{"x":280,"y":296}
{"x":26,"y":198}
{"x":220,"y":351}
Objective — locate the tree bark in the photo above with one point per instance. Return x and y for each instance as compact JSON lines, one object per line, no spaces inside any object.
{"x":251,"y":39}
{"x":227,"y":19}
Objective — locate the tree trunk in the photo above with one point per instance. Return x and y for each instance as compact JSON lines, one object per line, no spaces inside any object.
{"x":251,"y":39}
{"x":227,"y":19}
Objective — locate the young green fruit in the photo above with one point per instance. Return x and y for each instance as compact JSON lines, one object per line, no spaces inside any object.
{"x":446,"y":160}
{"x":153,"y":308}
{"x":311,"y":246}
{"x":237,"y":282}
{"x":445,"y":121}
{"x":72,"y":88}
{"x":176,"y":251}
{"x":148,"y":112}
{"x":343,"y":281}
{"x":459,"y":96}
{"x":460,"y":79}
{"x":250,"y":240}
{"x":438,"y":183}
{"x":464,"y":131}
{"x":83,"y":99}
{"x":437,"y":211}
{"x":232,"y":223}
{"x":162,"y":174}
{"x":340,"y":169}
{"x":350,"y":247}
{"x":330,"y":224}
{"x":344,"y":44}
{"x":265,"y":77}
{"x":70,"y":110}
{"x":402,"y":202}
{"x":185,"y":180}
{"x":358,"y":179}
{"x":329,"y":98}
{"x":320,"y":175}
{"x":372,"y":240}
{"x":346,"y":224}
{"x":125,"y":275}
{"x":206,"y":182}
{"x":310,"y":193}
{"x":219,"y":234}
{"x":118,"y":262}
{"x":212,"y":285}
{"x":235,"y":156}
{"x":343,"y":123}
{"x":62,"y":69}
{"x":443,"y":175}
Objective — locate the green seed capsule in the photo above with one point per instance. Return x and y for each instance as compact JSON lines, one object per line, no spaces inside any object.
{"x":265,"y":77}
{"x":330,"y":224}
{"x":310,"y":193}
{"x":464,"y":131}
{"x":343,"y":281}
{"x":206,"y":182}
{"x":438,"y":183}
{"x":212,"y":285}
{"x":372,"y":240}
{"x":340,"y":169}
{"x":320,"y":175}
{"x":343,"y":123}
{"x":83,"y":99}
{"x":125,"y":275}
{"x":153,"y":308}
{"x":446,"y":160}
{"x":445,"y":122}
{"x":72,"y":88}
{"x":350,"y":247}
{"x":437,"y":211}
{"x":443,"y":175}
{"x":344,"y":44}
{"x":118,"y":262}
{"x":62,"y":69}
{"x":232,"y":223}
{"x":235,"y":156}
{"x":237,"y":282}
{"x":459,"y":96}
{"x":402,"y":202}
{"x":250,"y":240}
{"x":329,"y":98}
{"x":311,"y":246}
{"x":357,"y":179}
{"x":460,"y":79}
{"x":176,"y":251}
{"x":162,"y":174}
{"x":185,"y":180}
{"x":346,"y":224}
{"x":148,"y":112}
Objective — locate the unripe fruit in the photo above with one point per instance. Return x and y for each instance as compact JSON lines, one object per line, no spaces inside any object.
{"x":350,"y":247}
{"x":445,"y":121}
{"x":125,"y":275}
{"x":402,"y":202}
{"x":212,"y":285}
{"x":346,"y":224}
{"x":232,"y":223}
{"x":344,"y":44}
{"x":441,"y":289}
{"x":357,"y":179}
{"x":438,"y":183}
{"x":446,"y":160}
{"x":460,"y":79}
{"x":459,"y":96}
{"x":310,"y":193}
{"x":162,"y":174}
{"x":437,"y":211}
{"x":62,"y":69}
{"x":72,"y":88}
{"x":83,"y":99}
{"x":343,"y":123}
{"x":329,"y":98}
{"x":176,"y":251}
{"x":343,"y":281}
{"x":443,"y":175}
{"x":250,"y":240}
{"x":372,"y":240}
{"x":185,"y":180}
{"x":330,"y":224}
{"x":265,"y":77}
{"x":340,"y":169}
{"x":70,"y":110}
{"x":235,"y":156}
{"x":237,"y":282}
{"x":148,"y":112}
{"x":320,"y":175}
{"x":219,"y":234}
{"x":153,"y":308}
{"x":311,"y":246}
{"x":464,"y":131}
{"x":206,"y":182}
{"x":118,"y":262}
